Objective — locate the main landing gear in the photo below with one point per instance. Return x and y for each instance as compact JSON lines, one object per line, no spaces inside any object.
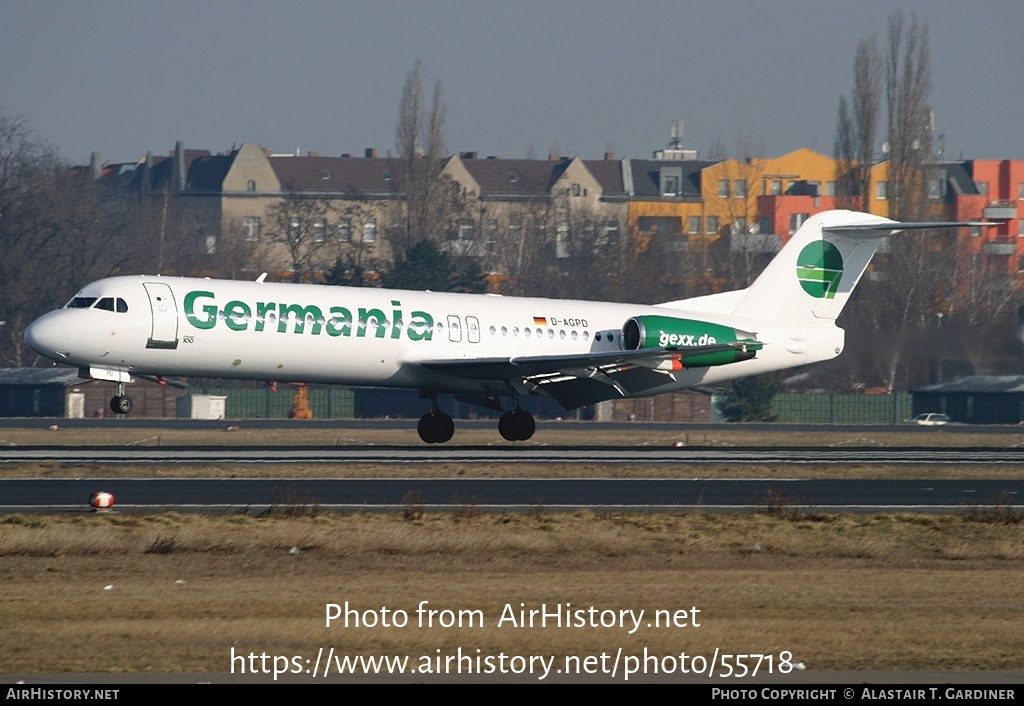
{"x":120,"y":403}
{"x":435,"y":427}
{"x":517,"y":425}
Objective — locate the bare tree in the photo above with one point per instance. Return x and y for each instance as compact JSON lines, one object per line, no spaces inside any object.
{"x":857,"y":127}
{"x":57,"y":233}
{"x":298,"y":227}
{"x":421,"y":144}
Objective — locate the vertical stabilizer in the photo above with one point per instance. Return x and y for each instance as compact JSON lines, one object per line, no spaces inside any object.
{"x":812,"y":277}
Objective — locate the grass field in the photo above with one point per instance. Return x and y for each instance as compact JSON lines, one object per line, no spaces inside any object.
{"x":173,"y":593}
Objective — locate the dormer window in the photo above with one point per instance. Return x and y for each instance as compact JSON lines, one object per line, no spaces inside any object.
{"x":325,"y":174}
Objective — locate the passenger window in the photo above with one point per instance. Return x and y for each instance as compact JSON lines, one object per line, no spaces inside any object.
{"x":106,"y":303}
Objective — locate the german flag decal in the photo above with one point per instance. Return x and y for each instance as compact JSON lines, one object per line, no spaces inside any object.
{"x":540,"y":321}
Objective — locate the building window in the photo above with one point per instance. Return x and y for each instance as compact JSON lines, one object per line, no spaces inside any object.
{"x":813,"y":188}
{"x":796,"y":220}
{"x":1020,"y":190}
{"x":492,"y":231}
{"x":1020,"y":227}
{"x":723,"y":188}
{"x":712,"y":224}
{"x":694,"y":225}
{"x":295,"y":229}
{"x":670,"y":185}
{"x":325,"y":174}
{"x":577,"y":190}
{"x":515,"y":230}
{"x":370,"y":230}
{"x":739,"y":225}
{"x":562,"y":240}
{"x":830,"y":188}
{"x":935,"y":188}
{"x":881,"y":190}
{"x":739,"y":189}
{"x":251,"y":186}
{"x":776,"y":187}
{"x":319,"y":230}
{"x":345,"y":230}
{"x":251,"y":228}
{"x":612,"y":232}
{"x":981,"y":186}
{"x":464,"y":231}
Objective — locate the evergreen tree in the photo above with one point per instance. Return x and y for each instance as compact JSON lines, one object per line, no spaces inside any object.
{"x":750,"y":399}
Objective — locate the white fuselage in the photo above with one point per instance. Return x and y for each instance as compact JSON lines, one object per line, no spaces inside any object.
{"x":364,"y":336}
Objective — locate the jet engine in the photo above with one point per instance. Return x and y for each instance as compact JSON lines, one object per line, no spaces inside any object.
{"x":708,"y":343}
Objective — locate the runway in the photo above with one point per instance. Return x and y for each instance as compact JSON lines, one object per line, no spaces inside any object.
{"x":516,"y":494}
{"x":508,"y":454}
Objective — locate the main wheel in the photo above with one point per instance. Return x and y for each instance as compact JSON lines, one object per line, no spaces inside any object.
{"x":121,"y":404}
{"x":524,"y":425}
{"x":435,"y":428}
{"x":516,"y":426}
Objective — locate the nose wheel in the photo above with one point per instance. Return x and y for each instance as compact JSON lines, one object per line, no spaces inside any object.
{"x":120,"y":403}
{"x":517,"y":425}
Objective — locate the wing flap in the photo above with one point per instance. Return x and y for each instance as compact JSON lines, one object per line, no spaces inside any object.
{"x":584,"y":378}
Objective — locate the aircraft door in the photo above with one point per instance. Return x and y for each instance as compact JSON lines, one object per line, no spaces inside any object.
{"x":165,"y":316}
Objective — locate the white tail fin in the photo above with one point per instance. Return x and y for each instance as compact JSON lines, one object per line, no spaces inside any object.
{"x":811,"y":279}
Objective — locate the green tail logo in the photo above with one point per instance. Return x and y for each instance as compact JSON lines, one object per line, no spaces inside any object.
{"x":819,"y":268}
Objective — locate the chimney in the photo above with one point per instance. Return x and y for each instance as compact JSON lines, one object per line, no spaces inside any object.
{"x":346,"y":155}
{"x":178,"y":167}
{"x":493,"y":156}
{"x":554,"y":157}
{"x":95,"y":168}
{"x":371,"y":151}
{"x":609,"y":156}
{"x":312,"y":154}
{"x":146,"y":173}
{"x":467,"y":155}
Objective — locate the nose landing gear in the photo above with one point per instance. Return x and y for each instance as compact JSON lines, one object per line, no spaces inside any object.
{"x":120,"y":403}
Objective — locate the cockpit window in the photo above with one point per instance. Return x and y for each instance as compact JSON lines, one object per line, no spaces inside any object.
{"x":106,"y":303}
{"x":122,"y":305}
{"x":81,"y":302}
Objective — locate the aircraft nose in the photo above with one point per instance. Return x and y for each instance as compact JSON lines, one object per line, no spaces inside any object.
{"x":46,"y":337}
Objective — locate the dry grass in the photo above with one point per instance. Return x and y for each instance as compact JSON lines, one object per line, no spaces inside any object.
{"x":637,"y":434}
{"x":840,"y":592}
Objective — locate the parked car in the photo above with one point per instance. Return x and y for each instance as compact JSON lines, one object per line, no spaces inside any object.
{"x":931,"y":419}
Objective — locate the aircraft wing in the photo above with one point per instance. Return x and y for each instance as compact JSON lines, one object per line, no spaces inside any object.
{"x":585,"y":378}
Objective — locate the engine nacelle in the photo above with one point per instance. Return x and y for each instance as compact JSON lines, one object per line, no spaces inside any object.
{"x":677,"y":334}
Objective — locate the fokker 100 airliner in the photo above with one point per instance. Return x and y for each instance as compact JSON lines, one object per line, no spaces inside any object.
{"x":484,"y":349}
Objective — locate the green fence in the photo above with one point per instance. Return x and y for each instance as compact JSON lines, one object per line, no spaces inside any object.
{"x":257,"y":403}
{"x":830,"y":408}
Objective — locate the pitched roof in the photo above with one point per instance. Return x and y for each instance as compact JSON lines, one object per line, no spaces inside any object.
{"x":338,"y":174}
{"x":608,"y":173}
{"x":515,"y":177}
{"x":978,"y":384}
{"x":41,"y":376}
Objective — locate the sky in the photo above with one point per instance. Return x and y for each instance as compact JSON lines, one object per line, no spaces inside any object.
{"x":520,"y":78}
